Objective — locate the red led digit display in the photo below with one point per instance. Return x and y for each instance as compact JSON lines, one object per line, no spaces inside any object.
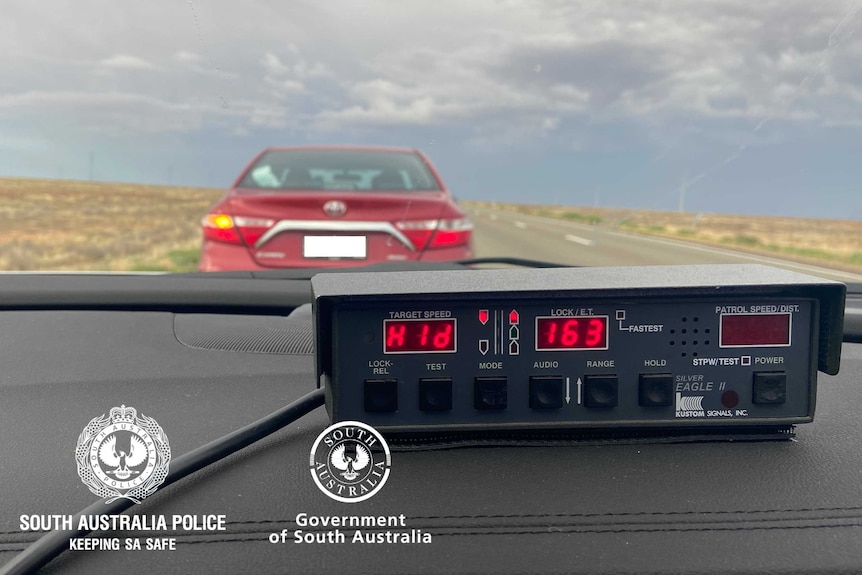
{"x":419,"y":336}
{"x":561,"y":332}
{"x":755,"y":330}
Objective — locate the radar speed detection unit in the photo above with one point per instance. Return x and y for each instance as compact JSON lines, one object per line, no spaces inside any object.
{"x":569,"y":348}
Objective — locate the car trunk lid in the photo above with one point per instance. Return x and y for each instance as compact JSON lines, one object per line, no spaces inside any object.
{"x":308,"y":228}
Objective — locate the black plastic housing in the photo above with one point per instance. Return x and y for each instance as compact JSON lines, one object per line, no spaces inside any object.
{"x":335,"y":293}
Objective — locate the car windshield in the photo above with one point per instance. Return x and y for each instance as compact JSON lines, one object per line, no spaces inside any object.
{"x":339,"y":170}
{"x":211,"y":208}
{"x":221,"y":136}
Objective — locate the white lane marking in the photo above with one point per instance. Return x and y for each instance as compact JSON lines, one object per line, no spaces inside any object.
{"x":579,"y":240}
{"x":521,"y":225}
{"x":544,"y":220}
{"x":805,"y":268}
{"x":753,"y":257}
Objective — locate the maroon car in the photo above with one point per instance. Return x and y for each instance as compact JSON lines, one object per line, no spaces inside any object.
{"x":334,"y":206}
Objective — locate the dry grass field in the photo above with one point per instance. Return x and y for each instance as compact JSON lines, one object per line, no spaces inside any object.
{"x":73,"y":225}
{"x":832,"y":243}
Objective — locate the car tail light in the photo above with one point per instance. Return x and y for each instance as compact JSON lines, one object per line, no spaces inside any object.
{"x":220,"y":228}
{"x":452,"y":233}
{"x":418,"y":231}
{"x":252,"y":228}
{"x":235,"y":230}
{"x":441,"y":233}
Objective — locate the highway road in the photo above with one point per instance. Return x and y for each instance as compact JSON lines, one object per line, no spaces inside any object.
{"x":504,"y":233}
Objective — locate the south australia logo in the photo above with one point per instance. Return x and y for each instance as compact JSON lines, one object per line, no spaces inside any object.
{"x":350,"y":461}
{"x":123,"y":454}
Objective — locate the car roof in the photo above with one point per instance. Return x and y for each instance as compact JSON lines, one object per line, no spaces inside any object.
{"x":344,"y":148}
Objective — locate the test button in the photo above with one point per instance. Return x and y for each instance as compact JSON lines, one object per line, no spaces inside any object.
{"x":435,"y":394}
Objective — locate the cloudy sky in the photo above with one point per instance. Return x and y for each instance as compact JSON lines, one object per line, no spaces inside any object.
{"x":749,"y":106}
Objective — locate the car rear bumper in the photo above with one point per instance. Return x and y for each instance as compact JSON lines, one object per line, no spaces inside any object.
{"x":218,"y":256}
{"x":221,"y":257}
{"x":446,"y":254}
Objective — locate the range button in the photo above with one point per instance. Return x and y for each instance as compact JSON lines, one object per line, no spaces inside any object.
{"x":600,"y":390}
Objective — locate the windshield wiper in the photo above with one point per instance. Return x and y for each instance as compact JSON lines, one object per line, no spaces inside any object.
{"x":521,"y":262}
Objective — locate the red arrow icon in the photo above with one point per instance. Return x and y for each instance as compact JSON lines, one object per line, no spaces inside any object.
{"x":483,"y":316}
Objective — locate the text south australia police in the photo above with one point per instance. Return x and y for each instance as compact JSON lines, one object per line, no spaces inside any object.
{"x":364,"y":529}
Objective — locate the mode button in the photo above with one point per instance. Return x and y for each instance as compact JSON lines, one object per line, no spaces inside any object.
{"x":490,"y":392}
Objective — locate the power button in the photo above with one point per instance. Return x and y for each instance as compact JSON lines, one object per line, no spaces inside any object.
{"x":769,"y":388}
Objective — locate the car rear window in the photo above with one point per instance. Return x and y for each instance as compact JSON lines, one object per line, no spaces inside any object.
{"x":339,"y":170}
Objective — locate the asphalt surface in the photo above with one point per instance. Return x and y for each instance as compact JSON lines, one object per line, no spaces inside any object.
{"x":509,"y":234}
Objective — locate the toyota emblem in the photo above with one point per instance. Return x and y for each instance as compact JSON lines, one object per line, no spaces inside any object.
{"x":335,"y":208}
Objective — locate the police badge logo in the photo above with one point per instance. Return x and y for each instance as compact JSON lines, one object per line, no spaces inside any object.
{"x":123,"y":454}
{"x":350,"y":461}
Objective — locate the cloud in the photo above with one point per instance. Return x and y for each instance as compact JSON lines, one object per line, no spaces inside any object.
{"x":126,"y":62}
{"x":273,"y":65}
{"x":474,"y":65}
{"x":602,"y":61}
{"x":186,"y":57}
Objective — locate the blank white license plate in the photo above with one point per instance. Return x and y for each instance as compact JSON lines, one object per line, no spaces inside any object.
{"x":334,"y":247}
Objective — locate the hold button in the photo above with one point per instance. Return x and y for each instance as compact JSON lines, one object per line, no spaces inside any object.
{"x":655,"y":390}
{"x":770,"y":387}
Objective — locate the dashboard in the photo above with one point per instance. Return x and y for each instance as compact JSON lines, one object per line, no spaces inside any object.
{"x":207,"y":355}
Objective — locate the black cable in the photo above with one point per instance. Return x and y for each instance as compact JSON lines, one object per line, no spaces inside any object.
{"x":523,"y":262}
{"x":52,"y":544}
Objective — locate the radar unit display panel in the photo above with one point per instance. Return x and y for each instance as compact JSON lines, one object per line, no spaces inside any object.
{"x":569,"y":348}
